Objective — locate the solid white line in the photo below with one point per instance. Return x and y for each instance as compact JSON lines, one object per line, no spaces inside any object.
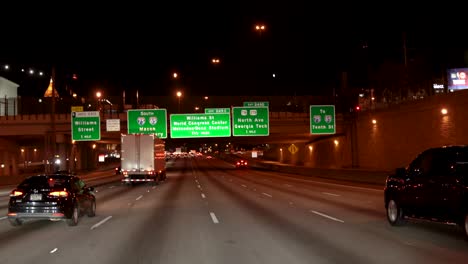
{"x":213,"y":217}
{"x":148,"y":190}
{"x":139,"y":197}
{"x":3,"y":217}
{"x":332,"y":194}
{"x":53,"y":250}
{"x":154,"y":187}
{"x":203,"y":196}
{"x":199,"y":186}
{"x":243,"y":185}
{"x":266,"y":194}
{"x":327,"y":216}
{"x":101,"y":222}
{"x":110,"y":187}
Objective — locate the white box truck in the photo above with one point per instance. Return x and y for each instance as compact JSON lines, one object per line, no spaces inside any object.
{"x":142,"y":159}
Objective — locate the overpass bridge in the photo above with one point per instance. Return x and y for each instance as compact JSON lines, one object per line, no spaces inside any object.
{"x":34,"y":134}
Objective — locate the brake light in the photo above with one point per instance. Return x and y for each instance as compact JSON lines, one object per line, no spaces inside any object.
{"x":15,"y":193}
{"x":59,"y":194}
{"x":245,"y":163}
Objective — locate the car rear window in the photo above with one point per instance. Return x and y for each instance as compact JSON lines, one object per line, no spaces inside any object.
{"x":45,"y":182}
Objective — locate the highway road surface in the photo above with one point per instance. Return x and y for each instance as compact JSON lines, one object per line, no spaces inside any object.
{"x":207,"y":212}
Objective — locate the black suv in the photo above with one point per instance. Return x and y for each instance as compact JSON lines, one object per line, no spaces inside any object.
{"x":54,"y":197}
{"x":433,"y":187}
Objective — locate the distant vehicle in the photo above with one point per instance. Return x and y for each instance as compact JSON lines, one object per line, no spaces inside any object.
{"x":118,"y":170}
{"x":143,"y":159}
{"x":65,"y":172}
{"x":241,"y":164}
{"x":433,"y":187}
{"x":53,"y":197}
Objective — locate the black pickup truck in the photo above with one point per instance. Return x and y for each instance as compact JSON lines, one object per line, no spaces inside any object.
{"x":433,"y":187}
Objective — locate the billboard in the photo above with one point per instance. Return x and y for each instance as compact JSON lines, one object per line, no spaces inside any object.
{"x":457,"y":79}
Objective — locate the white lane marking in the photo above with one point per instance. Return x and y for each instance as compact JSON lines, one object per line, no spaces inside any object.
{"x":332,"y":194}
{"x":3,"y":217}
{"x":147,"y":190}
{"x":101,"y":222}
{"x":291,"y":203}
{"x":139,"y":197}
{"x":266,"y":194}
{"x":199,"y":186}
{"x":327,"y":216}
{"x":53,"y":250}
{"x":243,"y":185}
{"x":154,"y":187}
{"x":288,"y":185}
{"x":110,"y":187}
{"x":203,"y":196}
{"x":213,"y":217}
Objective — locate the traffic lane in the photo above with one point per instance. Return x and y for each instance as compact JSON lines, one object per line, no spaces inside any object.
{"x":447,"y":240}
{"x":94,"y":181}
{"x":369,"y":197}
{"x":355,"y":199}
{"x":165,"y":225}
{"x":92,"y":178}
{"x":376,"y":239}
{"x":361,"y":206}
{"x":253,"y":229}
{"x":46,"y":242}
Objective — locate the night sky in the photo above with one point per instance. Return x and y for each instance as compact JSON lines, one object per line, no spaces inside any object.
{"x":138,"y":47}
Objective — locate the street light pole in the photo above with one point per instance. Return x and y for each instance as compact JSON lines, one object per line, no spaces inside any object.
{"x":179,"y":94}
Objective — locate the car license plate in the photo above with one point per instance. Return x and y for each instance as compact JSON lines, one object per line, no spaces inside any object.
{"x":35,"y":197}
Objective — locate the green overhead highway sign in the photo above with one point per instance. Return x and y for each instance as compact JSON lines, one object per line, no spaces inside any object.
{"x":86,"y":126}
{"x":256,"y":104}
{"x":147,"y":121}
{"x":250,"y":121}
{"x":322,"y":119}
{"x":217,"y":110}
{"x":200,"y":125}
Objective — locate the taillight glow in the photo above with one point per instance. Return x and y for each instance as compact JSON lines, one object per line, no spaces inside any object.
{"x":59,"y":194}
{"x":15,"y":193}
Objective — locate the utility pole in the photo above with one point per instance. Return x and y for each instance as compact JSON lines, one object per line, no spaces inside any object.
{"x":52,"y":136}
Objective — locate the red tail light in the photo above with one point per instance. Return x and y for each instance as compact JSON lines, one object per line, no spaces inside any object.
{"x":59,"y":194}
{"x":16,"y":193}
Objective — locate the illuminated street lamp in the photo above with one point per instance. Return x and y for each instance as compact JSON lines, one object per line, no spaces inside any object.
{"x":260,"y":28}
{"x":175,"y":75}
{"x":215,"y":61}
{"x":179,"y":94}
{"x":98,"y":96}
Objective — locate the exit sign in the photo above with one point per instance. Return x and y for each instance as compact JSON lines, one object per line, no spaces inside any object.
{"x":322,"y":119}
{"x":250,"y":121}
{"x":256,"y":104}
{"x":86,"y":126}
{"x":147,"y":121}
{"x":200,"y":125}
